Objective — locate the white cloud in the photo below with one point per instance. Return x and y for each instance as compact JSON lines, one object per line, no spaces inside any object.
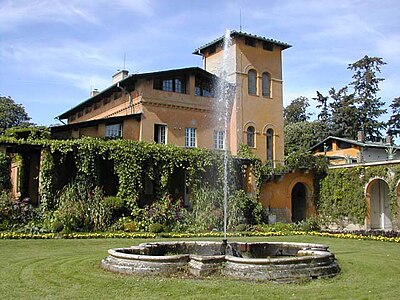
{"x":14,"y":14}
{"x":19,"y":13}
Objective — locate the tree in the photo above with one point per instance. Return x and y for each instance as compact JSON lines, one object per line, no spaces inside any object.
{"x":345,"y":117}
{"x":366,"y":86}
{"x":12,"y":114}
{"x":394,"y":121}
{"x":301,"y":136}
{"x":296,"y":111}
{"x":324,"y":117}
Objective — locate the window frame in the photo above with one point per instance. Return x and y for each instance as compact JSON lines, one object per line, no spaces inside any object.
{"x":266,"y":84}
{"x":190,"y":137}
{"x":160,"y":133}
{"x":251,"y":85}
{"x":109,"y":130}
{"x":174,"y":84}
{"x":269,"y":143}
{"x":219,"y":139}
{"x":250,"y":136}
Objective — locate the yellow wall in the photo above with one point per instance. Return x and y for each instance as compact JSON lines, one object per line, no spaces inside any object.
{"x":277,"y":194}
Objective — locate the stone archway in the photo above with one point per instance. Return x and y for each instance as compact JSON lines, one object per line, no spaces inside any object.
{"x":299,"y":202}
{"x":379,"y":205}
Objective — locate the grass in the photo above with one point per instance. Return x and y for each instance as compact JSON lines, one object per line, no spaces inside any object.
{"x":69,"y":269}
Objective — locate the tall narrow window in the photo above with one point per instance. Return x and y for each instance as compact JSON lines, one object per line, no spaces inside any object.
{"x":219,"y":139}
{"x":114,"y":130}
{"x":270,"y":144}
{"x":190,"y":137}
{"x":266,"y":92}
{"x":160,"y":134}
{"x":250,"y":136}
{"x":252,"y":82}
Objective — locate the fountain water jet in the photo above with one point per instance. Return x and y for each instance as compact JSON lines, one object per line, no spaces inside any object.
{"x":223,"y":99}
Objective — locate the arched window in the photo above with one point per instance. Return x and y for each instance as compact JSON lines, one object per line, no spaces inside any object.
{"x":250,"y":136}
{"x":266,"y":92}
{"x":270,"y":144}
{"x":252,"y":82}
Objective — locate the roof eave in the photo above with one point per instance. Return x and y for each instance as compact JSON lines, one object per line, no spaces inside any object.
{"x":132,"y":77}
{"x":199,"y":51}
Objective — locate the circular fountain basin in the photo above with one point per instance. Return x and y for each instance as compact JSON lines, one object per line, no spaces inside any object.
{"x":271,"y":261}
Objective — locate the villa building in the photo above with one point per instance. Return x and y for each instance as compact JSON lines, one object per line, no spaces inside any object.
{"x":345,"y":151}
{"x":183,"y":107}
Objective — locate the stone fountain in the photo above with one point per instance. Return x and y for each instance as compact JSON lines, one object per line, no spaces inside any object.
{"x":262,"y":261}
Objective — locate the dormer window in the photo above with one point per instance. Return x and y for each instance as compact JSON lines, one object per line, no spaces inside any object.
{"x":203,"y":88}
{"x":250,"y":41}
{"x":268,"y":46}
{"x":175,"y":84}
{"x":211,"y":50}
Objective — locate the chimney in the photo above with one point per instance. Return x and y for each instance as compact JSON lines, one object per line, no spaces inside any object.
{"x":120,"y":75}
{"x":94,"y":92}
{"x":361,"y":136}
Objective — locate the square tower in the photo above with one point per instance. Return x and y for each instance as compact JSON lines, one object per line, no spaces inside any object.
{"x":254,"y":65}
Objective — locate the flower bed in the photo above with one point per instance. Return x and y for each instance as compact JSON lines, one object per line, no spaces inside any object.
{"x":144,"y":235}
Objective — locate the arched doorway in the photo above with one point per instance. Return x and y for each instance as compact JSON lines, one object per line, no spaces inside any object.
{"x":380,"y":216}
{"x":299,"y":200}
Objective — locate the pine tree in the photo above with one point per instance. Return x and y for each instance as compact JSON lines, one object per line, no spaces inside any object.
{"x":366,"y":86}
{"x":394,"y":121}
{"x":345,"y":118}
{"x":324,"y":117}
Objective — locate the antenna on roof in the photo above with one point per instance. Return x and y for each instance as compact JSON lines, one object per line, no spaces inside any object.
{"x":240,"y":20}
{"x":124,"y":59}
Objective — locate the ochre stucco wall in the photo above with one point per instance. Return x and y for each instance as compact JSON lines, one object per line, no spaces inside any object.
{"x":277,"y":194}
{"x":261,"y":111}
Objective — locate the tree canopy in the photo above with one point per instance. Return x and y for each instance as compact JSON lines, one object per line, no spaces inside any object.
{"x":344,"y":111}
{"x":394,"y":121}
{"x":12,"y":114}
{"x":296,"y":111}
{"x":366,"y":87}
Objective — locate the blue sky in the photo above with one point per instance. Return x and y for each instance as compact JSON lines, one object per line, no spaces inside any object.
{"x":53,"y":52}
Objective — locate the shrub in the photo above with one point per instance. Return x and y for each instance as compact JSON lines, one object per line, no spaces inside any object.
{"x":244,"y":209}
{"x":207,"y":210}
{"x":116,"y":206}
{"x":165,"y":211}
{"x":81,"y":208}
{"x":5,"y":182}
{"x":130,"y":227}
{"x":156,"y":228}
{"x":120,"y":223}
{"x":16,"y":213}
{"x":276,"y":227}
{"x":241,"y":227}
{"x":310,"y":224}
{"x":58,"y":226}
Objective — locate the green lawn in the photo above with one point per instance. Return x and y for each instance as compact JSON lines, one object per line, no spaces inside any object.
{"x":69,"y":269}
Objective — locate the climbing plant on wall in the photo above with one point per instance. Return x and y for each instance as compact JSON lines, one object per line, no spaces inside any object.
{"x":342,"y":193}
{"x":4,"y":172}
{"x":132,"y":161}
